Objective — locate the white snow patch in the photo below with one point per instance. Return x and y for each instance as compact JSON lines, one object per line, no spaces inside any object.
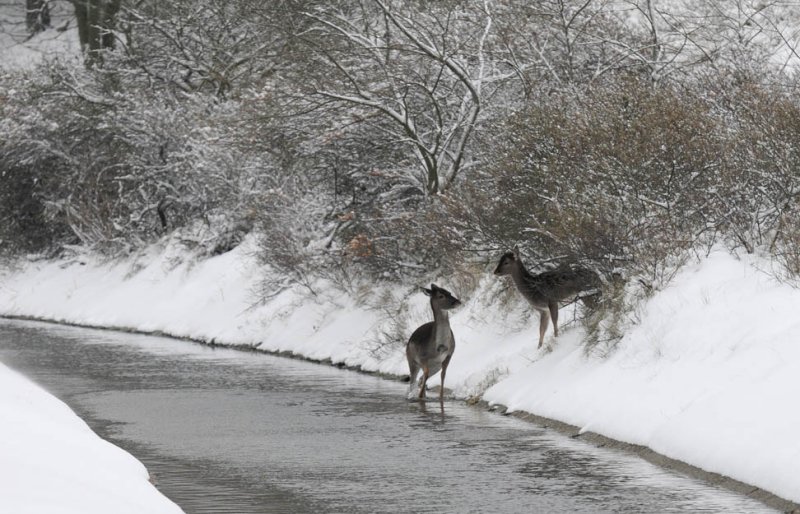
{"x":53,"y":462}
{"x":19,"y":50}
{"x":708,"y":376}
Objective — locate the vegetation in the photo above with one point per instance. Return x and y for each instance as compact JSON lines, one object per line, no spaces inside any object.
{"x":391,"y":138}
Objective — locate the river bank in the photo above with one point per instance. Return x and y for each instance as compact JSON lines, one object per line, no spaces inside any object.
{"x":223,"y":430}
{"x":53,"y":462}
{"x":699,"y":379}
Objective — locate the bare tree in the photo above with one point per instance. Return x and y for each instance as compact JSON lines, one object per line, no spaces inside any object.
{"x":37,"y":15}
{"x":740,"y":35}
{"x":429,"y":73}
{"x":192,"y":46}
{"x":96,"y":21}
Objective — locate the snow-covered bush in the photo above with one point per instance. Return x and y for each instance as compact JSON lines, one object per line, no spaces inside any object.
{"x":29,"y":168}
{"x":395,"y":140}
{"x":757,"y":200}
{"x":610,"y":176}
{"x":121,"y":168}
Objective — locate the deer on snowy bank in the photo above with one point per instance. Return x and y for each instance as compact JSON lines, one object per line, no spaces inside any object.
{"x":431,"y":345}
{"x":544,"y":290}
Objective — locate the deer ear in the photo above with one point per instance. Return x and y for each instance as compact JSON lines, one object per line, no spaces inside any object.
{"x":427,"y":292}
{"x":434,"y":287}
{"x":515,"y":251}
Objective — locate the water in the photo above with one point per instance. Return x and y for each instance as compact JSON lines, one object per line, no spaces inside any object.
{"x":229,"y":431}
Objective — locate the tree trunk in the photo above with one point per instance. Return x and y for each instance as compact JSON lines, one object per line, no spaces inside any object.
{"x":96,"y":22}
{"x":37,"y":15}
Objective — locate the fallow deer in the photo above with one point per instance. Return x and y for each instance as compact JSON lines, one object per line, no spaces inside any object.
{"x":431,"y":345}
{"x":544,"y":290}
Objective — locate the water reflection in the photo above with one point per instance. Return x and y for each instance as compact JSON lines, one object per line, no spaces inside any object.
{"x":434,"y":415}
{"x":229,"y":431}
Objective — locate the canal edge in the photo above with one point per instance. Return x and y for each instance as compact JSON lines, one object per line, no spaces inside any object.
{"x":601,"y":441}
{"x":648,"y":454}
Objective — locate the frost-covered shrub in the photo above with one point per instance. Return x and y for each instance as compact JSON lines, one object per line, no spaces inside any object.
{"x":610,"y":177}
{"x":25,"y":225}
{"x":615,"y":312}
{"x":324,"y":126}
{"x":760,"y":174}
{"x":28,"y":170}
{"x":345,"y":201}
{"x":121,"y":169}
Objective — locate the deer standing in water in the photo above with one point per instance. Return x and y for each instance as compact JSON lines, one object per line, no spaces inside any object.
{"x":545,"y":290}
{"x":431,"y":345}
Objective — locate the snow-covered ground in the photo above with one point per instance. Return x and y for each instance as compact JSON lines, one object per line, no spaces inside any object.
{"x":707,"y":375}
{"x":19,"y":50}
{"x":51,"y":461}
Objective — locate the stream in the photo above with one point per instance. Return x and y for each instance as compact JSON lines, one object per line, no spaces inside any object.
{"x":230,"y":431}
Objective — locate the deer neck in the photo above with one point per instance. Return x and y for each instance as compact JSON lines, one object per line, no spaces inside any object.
{"x":529,"y":286}
{"x":441,"y":324}
{"x":519,"y":274}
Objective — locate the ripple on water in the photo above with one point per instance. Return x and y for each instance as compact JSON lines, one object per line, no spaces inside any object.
{"x":226,"y":431}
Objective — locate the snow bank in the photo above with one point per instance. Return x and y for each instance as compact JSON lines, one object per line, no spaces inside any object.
{"x":708,"y":376}
{"x":53,"y":462}
{"x":21,"y":51}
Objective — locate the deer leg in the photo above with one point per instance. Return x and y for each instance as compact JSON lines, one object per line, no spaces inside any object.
{"x":444,"y":371}
{"x":413,"y":371}
{"x":425,"y":373}
{"x":544,"y":318}
{"x":554,"y":315}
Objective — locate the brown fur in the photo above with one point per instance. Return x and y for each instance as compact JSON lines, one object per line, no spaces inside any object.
{"x":545,"y":290}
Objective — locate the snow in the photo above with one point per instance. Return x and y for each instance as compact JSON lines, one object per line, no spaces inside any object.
{"x":708,"y":374}
{"x":21,"y":51}
{"x":53,"y":462}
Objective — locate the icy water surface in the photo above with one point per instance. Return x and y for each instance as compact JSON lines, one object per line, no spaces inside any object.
{"x":226,"y":431}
